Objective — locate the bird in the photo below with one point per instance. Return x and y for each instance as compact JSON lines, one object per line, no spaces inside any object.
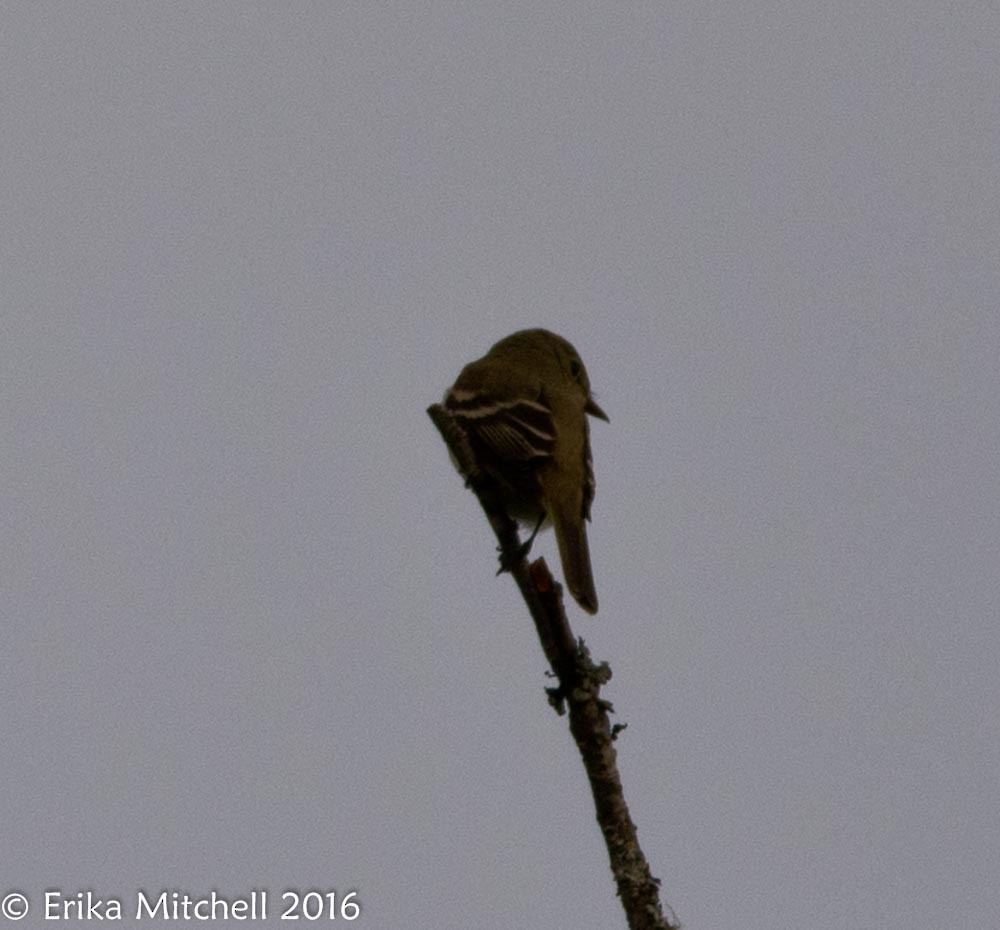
{"x":523,"y":408}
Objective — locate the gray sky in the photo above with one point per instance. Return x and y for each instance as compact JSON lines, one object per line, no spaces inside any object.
{"x":251,"y":633}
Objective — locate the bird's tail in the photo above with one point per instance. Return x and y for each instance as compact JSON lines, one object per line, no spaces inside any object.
{"x":571,"y":536}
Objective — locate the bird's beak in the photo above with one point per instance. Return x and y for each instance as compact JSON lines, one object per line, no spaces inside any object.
{"x":595,"y":411}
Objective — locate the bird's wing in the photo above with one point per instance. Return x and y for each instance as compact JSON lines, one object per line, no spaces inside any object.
{"x":513,"y":430}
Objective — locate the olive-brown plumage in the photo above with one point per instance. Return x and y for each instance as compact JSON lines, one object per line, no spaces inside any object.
{"x":524,"y":407}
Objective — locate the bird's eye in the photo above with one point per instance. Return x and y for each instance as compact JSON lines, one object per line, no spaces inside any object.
{"x":574,"y":367}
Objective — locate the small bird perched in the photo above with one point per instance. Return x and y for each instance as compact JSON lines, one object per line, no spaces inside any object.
{"x":523,"y":407}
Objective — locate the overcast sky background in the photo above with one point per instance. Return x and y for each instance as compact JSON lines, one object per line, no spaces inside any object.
{"x":251,"y":633}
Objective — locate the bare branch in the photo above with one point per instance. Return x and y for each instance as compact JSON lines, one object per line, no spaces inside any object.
{"x":580,"y":681}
